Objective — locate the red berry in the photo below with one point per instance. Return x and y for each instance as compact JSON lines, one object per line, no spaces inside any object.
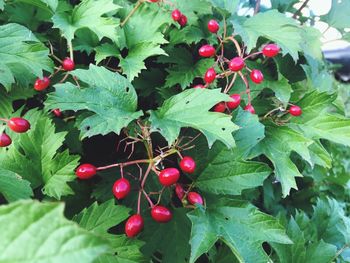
{"x":183,"y":20}
{"x":236,"y":64}
{"x":57,"y":113}
{"x":207,"y":51}
{"x":210,"y":75}
{"x":5,"y":140}
{"x":271,"y":50}
{"x":188,"y":165}
{"x":68,"y":64}
{"x":121,"y":188}
{"x":220,"y":107}
{"x":176,"y":15}
{"x":134,"y":225}
{"x":256,"y":76}
{"x":195,"y":198}
{"x":154,"y":1}
{"x":85,"y":171}
{"x":161,"y":214}
{"x":295,"y":110}
{"x":41,"y":84}
{"x":19,"y":125}
{"x":213,"y":26}
{"x":249,"y":108}
{"x":169,"y":176}
{"x":180,"y":192}
{"x":235,"y":101}
{"x":199,"y":86}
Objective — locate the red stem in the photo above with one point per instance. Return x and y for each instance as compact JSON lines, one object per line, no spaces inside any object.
{"x":139,"y":203}
{"x":4,"y":120}
{"x":148,"y":199}
{"x":253,"y":54}
{"x":247,"y":85}
{"x":122,"y":164}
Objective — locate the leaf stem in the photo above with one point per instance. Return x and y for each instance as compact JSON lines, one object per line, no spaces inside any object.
{"x":138,"y":4}
{"x":70,"y":46}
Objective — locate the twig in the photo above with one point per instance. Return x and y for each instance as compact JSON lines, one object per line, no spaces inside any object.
{"x":300,"y":9}
{"x":257,"y":7}
{"x":138,"y":4}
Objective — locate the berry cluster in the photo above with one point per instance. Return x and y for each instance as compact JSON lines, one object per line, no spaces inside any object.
{"x":179,"y":17}
{"x":16,"y":124}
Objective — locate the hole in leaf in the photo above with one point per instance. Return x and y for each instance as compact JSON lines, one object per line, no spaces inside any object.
{"x":224,"y":129}
{"x":187,"y":102}
{"x":226,"y":218}
{"x":87,"y":128}
{"x":127,"y":89}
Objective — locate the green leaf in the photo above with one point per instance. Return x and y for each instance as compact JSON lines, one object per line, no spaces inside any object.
{"x":338,"y":16}
{"x":2,"y":4}
{"x":277,"y":146}
{"x":45,"y":235}
{"x":109,"y":96}
{"x":22,"y":55}
{"x":190,"y":108}
{"x":233,"y":223}
{"x":46,"y":5}
{"x":88,"y":14}
{"x":276,"y":27}
{"x":13,"y":187}
{"x":34,"y":157}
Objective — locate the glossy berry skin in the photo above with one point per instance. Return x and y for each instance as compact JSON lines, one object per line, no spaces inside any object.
{"x":121,"y":188}
{"x":85,"y":171}
{"x":176,"y":15}
{"x":154,"y":1}
{"x":295,"y":110}
{"x":236,"y":64}
{"x":194,"y":198}
{"x":220,"y":107}
{"x":210,"y":75}
{"x":180,"y":192}
{"x":161,"y":214}
{"x":249,"y":108}
{"x":68,"y":64}
{"x":57,"y":113}
{"x":213,"y":26}
{"x":207,"y":51}
{"x":134,"y":225}
{"x":5,"y":140}
{"x":271,"y":50}
{"x":19,"y":125}
{"x":183,"y":20}
{"x":41,"y":84}
{"x":199,"y":86}
{"x":188,"y":165}
{"x":235,"y":101}
{"x":256,"y":76}
{"x":169,"y":176}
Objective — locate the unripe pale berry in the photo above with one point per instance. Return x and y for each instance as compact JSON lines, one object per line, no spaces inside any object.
{"x":121,"y":188}
{"x":249,"y":108}
{"x":295,"y":110}
{"x":207,"y":51}
{"x":68,"y":64}
{"x":220,"y":107}
{"x":176,"y":15}
{"x":199,"y":86}
{"x":5,"y":140}
{"x":236,"y":64}
{"x":134,"y":225}
{"x":256,"y":76}
{"x":213,"y":26}
{"x":161,"y":214}
{"x":271,"y":50}
{"x":235,"y":101}
{"x":169,"y":176}
{"x":210,"y":75}
{"x":85,"y":171}
{"x":19,"y":125}
{"x":188,"y":165}
{"x":41,"y":84}
{"x":195,"y":198}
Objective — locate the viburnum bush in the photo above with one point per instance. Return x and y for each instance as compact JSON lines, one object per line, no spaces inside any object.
{"x":171,"y":131}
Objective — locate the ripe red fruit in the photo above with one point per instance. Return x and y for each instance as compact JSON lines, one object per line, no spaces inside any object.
{"x":199,"y":86}
{"x":176,"y":15}
{"x":41,"y":84}
{"x":180,"y":192}
{"x":207,"y":51}
{"x":271,"y":50}
{"x":249,"y":108}
{"x":210,"y":75}
{"x":57,"y":113}
{"x":235,"y":101}
{"x":256,"y":76}
{"x":195,"y":198}
{"x":134,"y":225}
{"x":154,"y":1}
{"x":68,"y":64}
{"x":183,"y":20}
{"x":121,"y":188}
{"x":161,"y":214}
{"x":236,"y":64}
{"x":5,"y":140}
{"x":188,"y":165}
{"x":213,"y":26}
{"x":19,"y":125}
{"x":295,"y":110}
{"x":220,"y":107}
{"x":85,"y":171}
{"x":169,"y":176}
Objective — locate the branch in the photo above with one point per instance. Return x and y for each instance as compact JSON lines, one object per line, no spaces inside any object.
{"x":300,"y":9}
{"x":138,"y":4}
{"x":257,"y":7}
